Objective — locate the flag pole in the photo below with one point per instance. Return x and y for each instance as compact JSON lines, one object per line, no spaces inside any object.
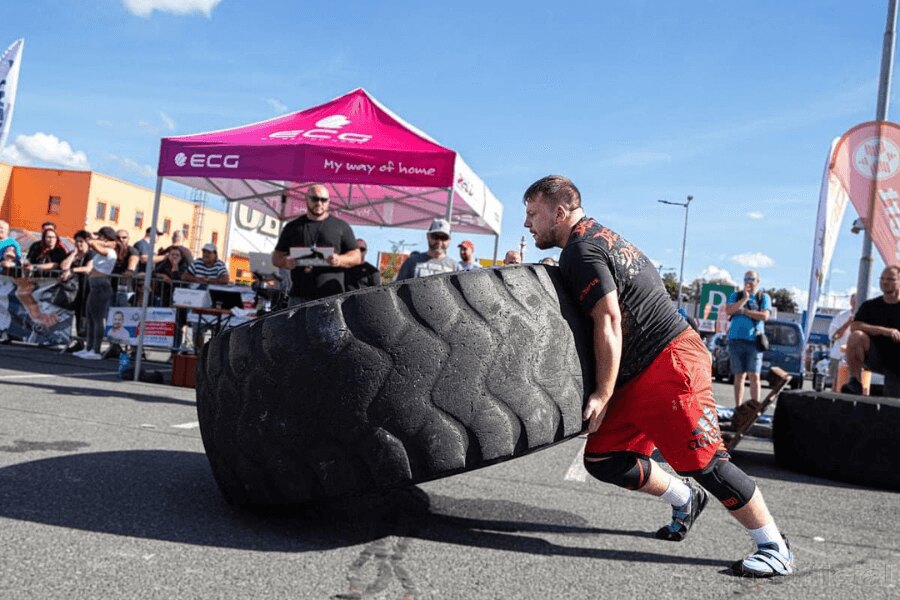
{"x":881,"y":114}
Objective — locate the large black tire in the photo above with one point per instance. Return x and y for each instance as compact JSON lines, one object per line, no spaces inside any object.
{"x":839,"y":436}
{"x":393,"y":385}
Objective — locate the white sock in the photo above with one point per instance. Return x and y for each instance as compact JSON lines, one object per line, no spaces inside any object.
{"x":678,"y":493}
{"x":767,"y":534}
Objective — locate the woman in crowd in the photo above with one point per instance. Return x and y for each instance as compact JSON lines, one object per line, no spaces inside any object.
{"x":78,"y":264}
{"x":172,"y":269}
{"x":46,"y":256}
{"x":100,"y":292}
{"x":10,"y":264}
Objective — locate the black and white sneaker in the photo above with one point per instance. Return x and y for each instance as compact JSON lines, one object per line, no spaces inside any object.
{"x":767,"y":561}
{"x":684,"y":517}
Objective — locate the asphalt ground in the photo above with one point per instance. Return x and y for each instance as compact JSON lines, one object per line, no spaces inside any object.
{"x":105,"y":492}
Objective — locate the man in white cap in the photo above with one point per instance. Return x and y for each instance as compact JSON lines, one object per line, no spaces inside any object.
{"x":208,"y":268}
{"x":422,"y":264}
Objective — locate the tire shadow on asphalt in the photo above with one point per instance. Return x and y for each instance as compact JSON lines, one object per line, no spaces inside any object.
{"x":125,"y":392}
{"x":171,"y":496}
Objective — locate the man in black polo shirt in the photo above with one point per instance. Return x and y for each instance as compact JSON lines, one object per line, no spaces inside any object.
{"x":316,"y":229}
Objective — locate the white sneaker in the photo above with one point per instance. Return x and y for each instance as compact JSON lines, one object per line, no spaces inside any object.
{"x":91,"y":355}
{"x":80,"y":353}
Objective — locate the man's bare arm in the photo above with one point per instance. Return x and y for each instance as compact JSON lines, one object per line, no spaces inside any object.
{"x":607,"y":355}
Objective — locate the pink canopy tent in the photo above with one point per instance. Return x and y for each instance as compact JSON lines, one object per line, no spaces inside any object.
{"x":381,"y":170}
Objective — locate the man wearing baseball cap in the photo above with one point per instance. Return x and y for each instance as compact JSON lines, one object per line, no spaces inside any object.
{"x":422,"y":264}
{"x":208,"y":268}
{"x":467,"y":256}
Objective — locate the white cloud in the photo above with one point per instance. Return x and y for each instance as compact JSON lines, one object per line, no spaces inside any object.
{"x":168,"y":122}
{"x":277,"y":105}
{"x":46,"y":147}
{"x":753,"y":260}
{"x":144,"y":8}
{"x":11,"y":154}
{"x":133,"y":166}
{"x":756,"y":215}
{"x":713,"y":272}
{"x":801,"y":297}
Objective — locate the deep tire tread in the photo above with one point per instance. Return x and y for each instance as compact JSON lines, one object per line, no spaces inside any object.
{"x":400,"y":384}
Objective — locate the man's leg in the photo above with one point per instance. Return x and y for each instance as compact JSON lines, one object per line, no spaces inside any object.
{"x":857,"y":346}
{"x":637,"y":472}
{"x":739,"y":389}
{"x":754,"y":386}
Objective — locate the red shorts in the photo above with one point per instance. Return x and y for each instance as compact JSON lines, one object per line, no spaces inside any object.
{"x":670,"y":406}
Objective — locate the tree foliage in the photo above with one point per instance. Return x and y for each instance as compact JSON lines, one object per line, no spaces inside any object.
{"x":783,"y":300}
{"x":671,"y":283}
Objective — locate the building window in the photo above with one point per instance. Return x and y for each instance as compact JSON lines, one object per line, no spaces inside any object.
{"x":101,"y":211}
{"x":139,"y":219}
{"x":53,"y":205}
{"x":114,"y":214}
{"x":167,"y":226}
{"x":215,"y":237}
{"x":186,"y":230}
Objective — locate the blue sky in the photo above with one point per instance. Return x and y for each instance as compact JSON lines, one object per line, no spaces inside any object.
{"x":733,"y":103}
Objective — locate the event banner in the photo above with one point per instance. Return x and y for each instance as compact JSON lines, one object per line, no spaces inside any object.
{"x":832,"y":205}
{"x":867,"y":163}
{"x":10,"y":63}
{"x":123,"y":325}
{"x":389,"y":264}
{"x":35,"y":310}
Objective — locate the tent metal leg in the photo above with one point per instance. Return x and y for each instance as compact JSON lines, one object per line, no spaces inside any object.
{"x":148,"y":274}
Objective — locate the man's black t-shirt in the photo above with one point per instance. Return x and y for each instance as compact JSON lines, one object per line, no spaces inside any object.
{"x":122,"y":261}
{"x":312,"y":283}
{"x":361,"y":276}
{"x":596,"y":261}
{"x":878,"y":312}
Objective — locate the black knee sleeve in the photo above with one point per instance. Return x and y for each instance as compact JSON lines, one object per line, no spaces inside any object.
{"x":624,"y":469}
{"x":729,"y":484}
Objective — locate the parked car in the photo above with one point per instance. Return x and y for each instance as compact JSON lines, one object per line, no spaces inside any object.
{"x":785,"y":351}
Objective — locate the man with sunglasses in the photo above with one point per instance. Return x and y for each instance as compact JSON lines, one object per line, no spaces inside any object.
{"x":749,"y":309}
{"x":435,"y":261}
{"x":362,"y":275}
{"x":317,"y":229}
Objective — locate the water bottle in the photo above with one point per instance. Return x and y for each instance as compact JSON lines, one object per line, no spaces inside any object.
{"x":124,"y":363}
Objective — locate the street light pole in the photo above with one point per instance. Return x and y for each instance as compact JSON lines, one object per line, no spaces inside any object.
{"x":687,"y":206}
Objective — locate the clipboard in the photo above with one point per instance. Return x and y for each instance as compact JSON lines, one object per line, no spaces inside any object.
{"x":313,"y":256}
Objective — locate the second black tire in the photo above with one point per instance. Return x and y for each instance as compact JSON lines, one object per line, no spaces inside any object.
{"x":839,"y":436}
{"x":393,"y":385}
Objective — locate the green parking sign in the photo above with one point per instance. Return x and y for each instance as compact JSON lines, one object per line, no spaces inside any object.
{"x":713,"y":297}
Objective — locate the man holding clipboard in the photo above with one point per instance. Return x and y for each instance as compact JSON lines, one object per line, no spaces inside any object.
{"x":316,"y":247}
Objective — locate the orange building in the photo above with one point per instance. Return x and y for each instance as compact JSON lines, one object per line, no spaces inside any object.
{"x":77,"y":200}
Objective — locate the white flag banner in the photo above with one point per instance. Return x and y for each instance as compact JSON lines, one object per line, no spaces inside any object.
{"x":10,"y":62}
{"x":833,"y":201}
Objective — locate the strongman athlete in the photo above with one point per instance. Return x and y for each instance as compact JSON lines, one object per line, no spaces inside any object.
{"x":654,"y":388}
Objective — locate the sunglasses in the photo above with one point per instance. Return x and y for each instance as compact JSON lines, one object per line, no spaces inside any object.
{"x":749,"y":279}
{"x":122,"y":237}
{"x":440,"y":236}
{"x":316,"y":199}
{"x":362,"y":248}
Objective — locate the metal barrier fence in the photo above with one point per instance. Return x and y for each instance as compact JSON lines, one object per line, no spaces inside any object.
{"x":128,"y":292}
